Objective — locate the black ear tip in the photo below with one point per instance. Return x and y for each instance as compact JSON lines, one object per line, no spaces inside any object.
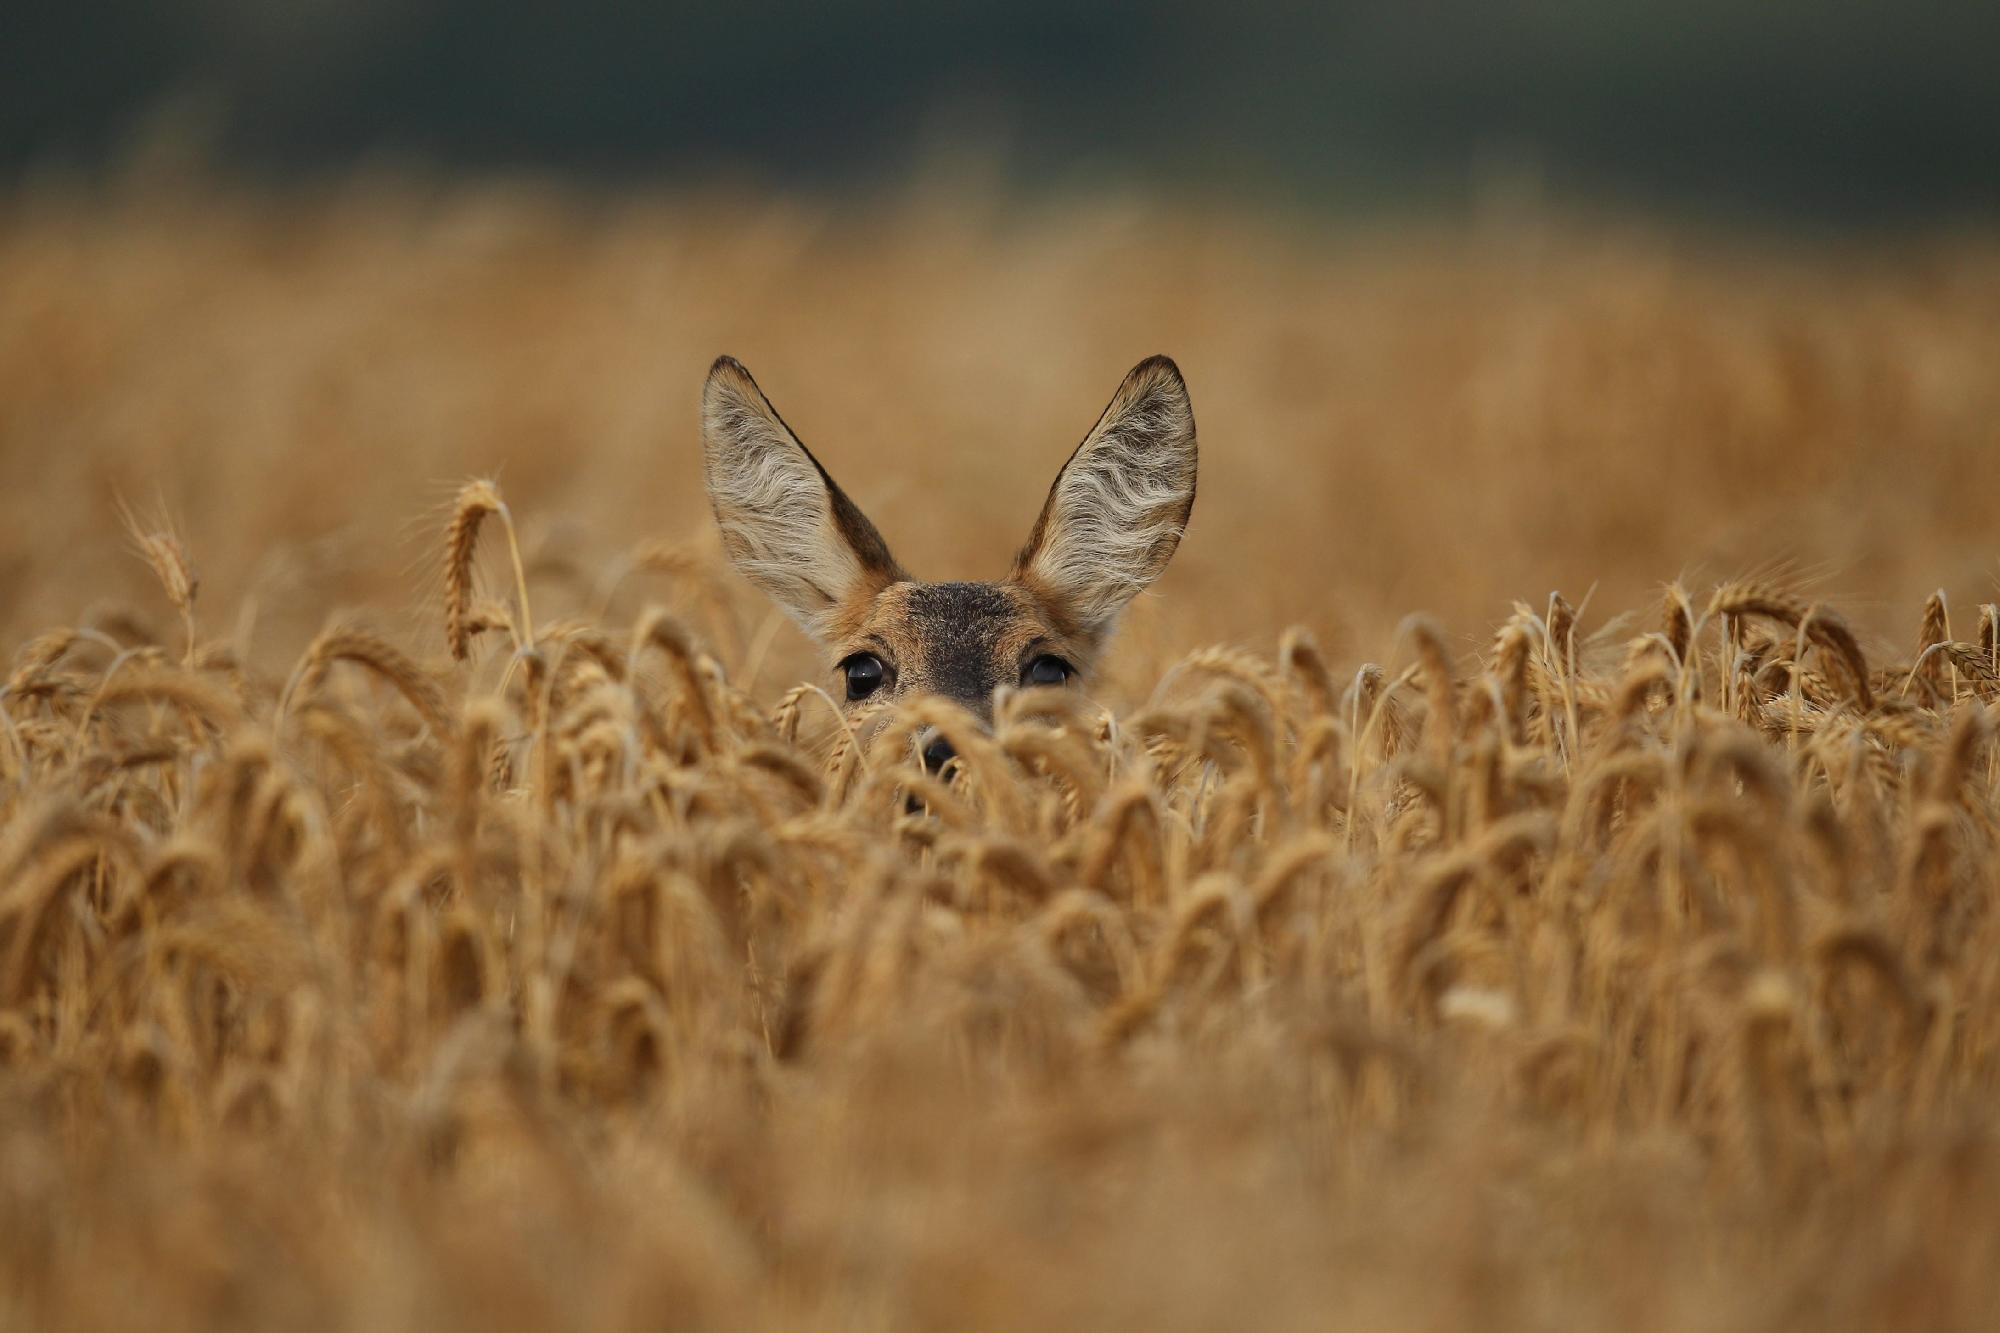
{"x":728,"y":376}
{"x":1157,"y":372}
{"x":1158,"y":380}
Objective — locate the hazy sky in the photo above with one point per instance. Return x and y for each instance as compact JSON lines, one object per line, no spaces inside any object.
{"x":1858,"y":110}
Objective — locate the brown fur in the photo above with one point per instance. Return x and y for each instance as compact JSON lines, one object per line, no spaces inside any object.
{"x":1111,"y":522}
{"x":960,"y":640}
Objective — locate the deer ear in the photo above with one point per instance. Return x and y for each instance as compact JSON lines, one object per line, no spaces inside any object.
{"x":785,"y":524}
{"x":1118,"y":507}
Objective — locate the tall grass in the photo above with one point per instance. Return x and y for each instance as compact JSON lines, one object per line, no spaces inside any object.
{"x":1527,"y":966}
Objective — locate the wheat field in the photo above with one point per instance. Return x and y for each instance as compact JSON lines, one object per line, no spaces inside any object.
{"x":1532,"y":864}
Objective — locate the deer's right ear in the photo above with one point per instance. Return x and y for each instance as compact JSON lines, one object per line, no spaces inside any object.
{"x":1117,"y":510}
{"x":785,"y":524}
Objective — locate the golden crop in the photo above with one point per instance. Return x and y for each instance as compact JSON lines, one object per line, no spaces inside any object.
{"x":430,"y":908}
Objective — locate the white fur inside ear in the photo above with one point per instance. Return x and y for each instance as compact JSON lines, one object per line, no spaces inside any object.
{"x":1119,"y":507}
{"x":772,"y":504}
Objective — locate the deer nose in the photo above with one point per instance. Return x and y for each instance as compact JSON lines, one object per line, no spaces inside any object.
{"x":937,"y":753}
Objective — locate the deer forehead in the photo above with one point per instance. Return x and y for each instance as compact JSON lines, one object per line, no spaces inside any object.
{"x":956,"y":639}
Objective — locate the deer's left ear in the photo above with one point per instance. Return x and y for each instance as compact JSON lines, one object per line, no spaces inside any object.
{"x":1119,"y":506}
{"x":787,"y":527}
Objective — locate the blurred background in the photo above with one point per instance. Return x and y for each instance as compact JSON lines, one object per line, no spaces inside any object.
{"x":1865,"y":110}
{"x":1476,"y":300}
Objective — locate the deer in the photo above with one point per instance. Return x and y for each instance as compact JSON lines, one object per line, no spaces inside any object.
{"x":1112,"y":520}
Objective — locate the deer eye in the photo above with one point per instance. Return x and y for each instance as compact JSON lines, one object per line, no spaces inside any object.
{"x":1047,"y":669}
{"x":865,"y":674}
